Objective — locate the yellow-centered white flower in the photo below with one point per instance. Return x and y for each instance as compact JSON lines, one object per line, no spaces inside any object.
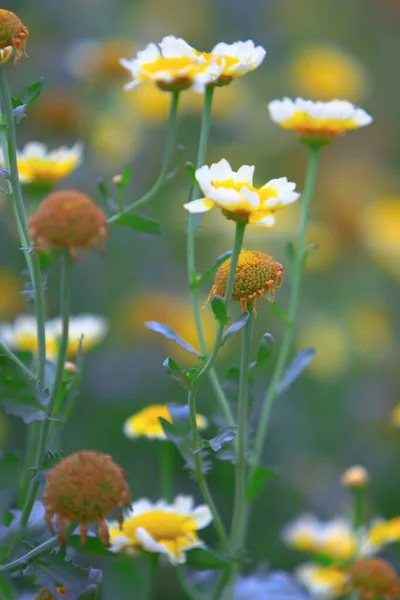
{"x":322,"y":582}
{"x":236,"y":59}
{"x":234,"y":193}
{"x":169,"y":529}
{"x":91,"y":328}
{"x":37,"y":164}
{"x":173,"y":65}
{"x":324,"y":119}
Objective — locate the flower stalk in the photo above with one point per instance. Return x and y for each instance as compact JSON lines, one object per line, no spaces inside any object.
{"x":300,"y":257}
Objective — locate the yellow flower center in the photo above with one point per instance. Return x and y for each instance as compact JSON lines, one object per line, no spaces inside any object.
{"x":264,"y":193}
{"x":388,"y":531}
{"x":182,"y":66}
{"x":340,"y":545}
{"x":161,"y":525}
{"x":33,"y":169}
{"x":304,"y":123}
{"x":304,"y":541}
{"x":335,"y":578}
{"x":27,"y":342}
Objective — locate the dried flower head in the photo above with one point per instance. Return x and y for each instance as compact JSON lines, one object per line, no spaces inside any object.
{"x":67,"y":219}
{"x":44,"y":593}
{"x":355,"y":477}
{"x":373,"y":579}
{"x":13,"y":33}
{"x":84,"y":487}
{"x":256,"y":274}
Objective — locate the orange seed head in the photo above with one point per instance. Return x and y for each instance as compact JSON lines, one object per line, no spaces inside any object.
{"x":13,"y":33}
{"x":373,"y":579}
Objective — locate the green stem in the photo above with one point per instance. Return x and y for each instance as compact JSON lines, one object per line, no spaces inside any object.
{"x":285,"y":349}
{"x":17,"y":361}
{"x":199,"y":475}
{"x":166,"y":165}
{"x":186,"y":586}
{"x":21,"y":219}
{"x":65,"y":294}
{"x":239,"y":511}
{"x":166,"y":450}
{"x":152,"y":576}
{"x":358,"y":507}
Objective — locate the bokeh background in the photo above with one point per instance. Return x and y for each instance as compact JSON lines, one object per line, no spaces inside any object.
{"x":341,"y":411}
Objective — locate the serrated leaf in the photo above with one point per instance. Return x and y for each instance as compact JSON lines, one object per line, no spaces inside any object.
{"x":29,"y":410}
{"x":219,"y":309}
{"x":174,"y":370}
{"x":139,"y":223}
{"x":179,"y":431}
{"x":204,"y":559}
{"x":93,"y":545}
{"x":236,"y":326}
{"x":191,"y":169}
{"x":170,"y":334}
{"x":224,"y":436}
{"x":264,"y":350}
{"x":296,"y":367}
{"x":199,"y":279}
{"x":277,"y":310}
{"x":258,"y":477}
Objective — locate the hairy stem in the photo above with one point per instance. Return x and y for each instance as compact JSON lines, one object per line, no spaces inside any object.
{"x":166,"y":165}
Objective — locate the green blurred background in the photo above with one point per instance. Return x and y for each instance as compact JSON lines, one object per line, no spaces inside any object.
{"x":341,"y":411}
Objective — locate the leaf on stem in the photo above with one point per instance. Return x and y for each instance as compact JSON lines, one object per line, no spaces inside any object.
{"x":170,"y":334}
{"x":219,"y":309}
{"x":264,"y":350}
{"x":139,"y":223}
{"x":191,"y":169}
{"x":174,"y":370}
{"x":204,"y":559}
{"x":179,"y":432}
{"x":93,"y":545}
{"x":296,"y":367}
{"x":256,"y":483}
{"x":126,"y":177}
{"x":225,"y":435}
{"x":19,"y":105}
{"x":199,"y":279}
{"x":236,"y":326}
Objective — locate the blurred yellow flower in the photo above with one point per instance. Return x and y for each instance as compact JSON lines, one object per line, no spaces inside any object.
{"x":146,"y":422}
{"x":168,"y":529}
{"x":174,"y":311}
{"x":396,"y":415}
{"x":37,"y":164}
{"x":10,"y":296}
{"x":326,"y":71}
{"x":370,"y":330}
{"x":328,"y":247}
{"x":113,"y":138}
{"x":172,"y":65}
{"x":331,"y":343}
{"x":318,"y":120}
{"x":380,"y":230}
{"x":334,"y":539}
{"x":22,"y":335}
{"x":382,"y":533}
{"x":97,"y":60}
{"x":234,"y":193}
{"x":322,"y":582}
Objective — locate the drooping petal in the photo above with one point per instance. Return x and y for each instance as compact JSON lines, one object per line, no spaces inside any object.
{"x":199,"y":206}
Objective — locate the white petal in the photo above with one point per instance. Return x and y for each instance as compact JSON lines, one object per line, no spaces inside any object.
{"x":119,"y":542}
{"x":183,"y":504}
{"x":34,"y":150}
{"x":251,"y":196}
{"x":226,"y":197}
{"x":281,"y":110}
{"x":148,"y":542}
{"x":199,"y":206}
{"x":245,"y":174}
{"x":265,"y":221}
{"x":141,"y":506}
{"x":202,"y":516}
{"x":172,"y":47}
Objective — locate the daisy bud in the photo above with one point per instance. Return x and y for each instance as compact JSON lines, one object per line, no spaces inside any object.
{"x":355,"y":477}
{"x":256,"y":274}
{"x":13,"y":33}
{"x":67,"y":219}
{"x":85,"y":487}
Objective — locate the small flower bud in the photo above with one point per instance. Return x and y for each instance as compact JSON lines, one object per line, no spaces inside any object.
{"x":256,"y":274}
{"x":12,"y":33}
{"x":67,"y":219}
{"x":355,"y":477}
{"x":70,"y":367}
{"x":85,"y":487}
{"x":117,"y":179}
{"x":373,"y":579}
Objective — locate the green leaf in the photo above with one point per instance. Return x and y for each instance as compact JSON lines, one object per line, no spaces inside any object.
{"x":126,"y":177}
{"x":6,"y":589}
{"x":276,"y":309}
{"x":125,"y":577}
{"x":179,"y":432}
{"x":139,"y":223}
{"x":264,"y":350}
{"x":93,"y":545}
{"x":310,"y":248}
{"x":257,"y":480}
{"x":191,"y":169}
{"x":219,"y":309}
{"x":225,"y":435}
{"x":199,"y":279}
{"x":33,"y":92}
{"x":174,"y":370}
{"x":236,"y":326}
{"x":170,"y":334}
{"x":204,"y":559}
{"x":290,"y":252}
{"x":296,"y":367}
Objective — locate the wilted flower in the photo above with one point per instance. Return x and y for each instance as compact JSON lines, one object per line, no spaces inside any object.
{"x":334,"y":539}
{"x":173,"y":65}
{"x":256,"y":274}
{"x":169,"y":529}
{"x":85,"y":487}
{"x":146,"y":422}
{"x":91,"y":328}
{"x":233,"y":192}
{"x":322,"y":582}
{"x":38,"y":165}
{"x":318,"y":122}
{"x":374,"y":578}
{"x":13,"y":33}
{"x":67,"y":219}
{"x":326,"y":71}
